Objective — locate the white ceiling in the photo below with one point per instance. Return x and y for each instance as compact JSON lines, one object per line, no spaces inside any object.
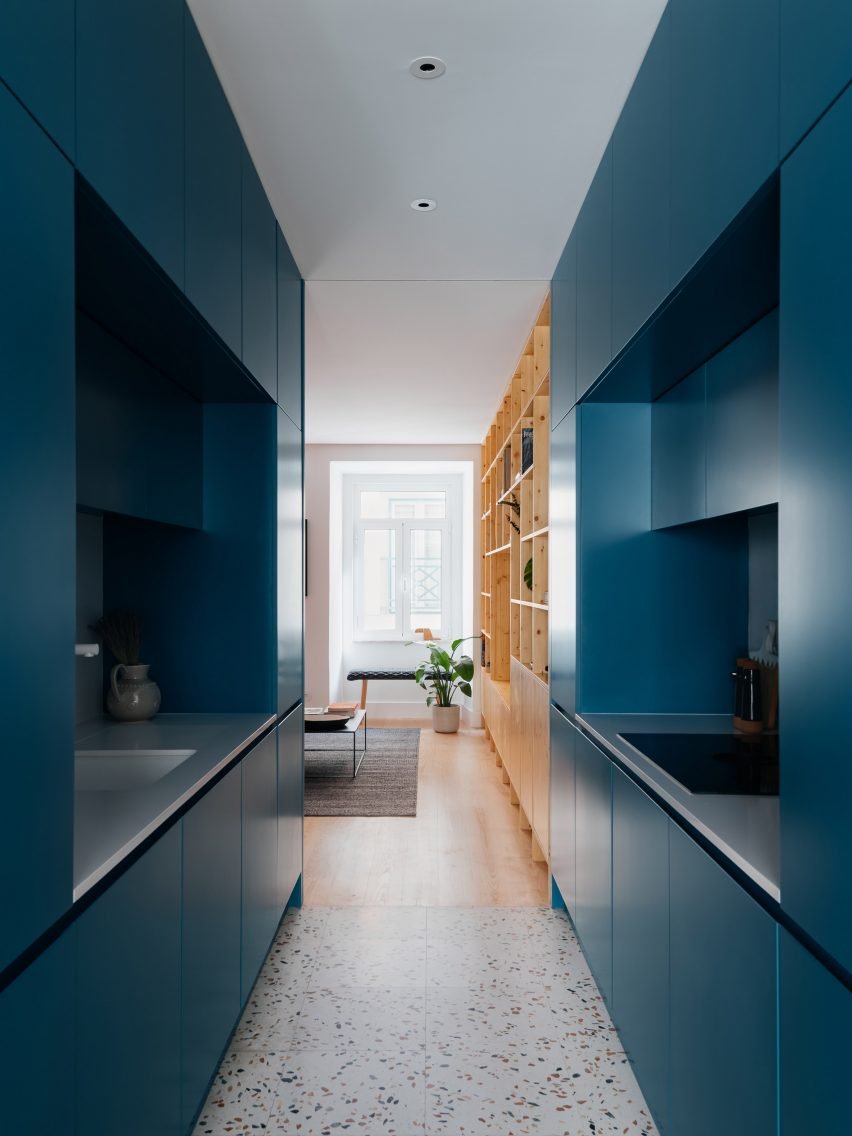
{"x":414,"y":321}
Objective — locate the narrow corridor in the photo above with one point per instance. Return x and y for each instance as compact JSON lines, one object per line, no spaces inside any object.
{"x":405,"y":1020}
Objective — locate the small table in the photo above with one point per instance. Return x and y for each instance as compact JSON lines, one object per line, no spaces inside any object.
{"x":351,"y":727}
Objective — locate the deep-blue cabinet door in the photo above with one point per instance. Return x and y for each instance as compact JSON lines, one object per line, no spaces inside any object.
{"x":37,"y":62}
{"x":640,"y":938}
{"x":815,"y":1025}
{"x":37,"y":522}
{"x":210,"y":956}
{"x":563,"y":836}
{"x":678,"y":453}
{"x":214,"y":236}
{"x":563,"y":564}
{"x":130,"y":129}
{"x":128,"y":1001}
{"x":291,"y":780}
{"x":593,"y":908}
{"x":724,"y":106}
{"x":641,"y":221}
{"x":290,"y":333}
{"x":723,"y":1001}
{"x":260,"y":284}
{"x":37,"y":1027}
{"x":594,"y":277}
{"x":261,"y":905}
{"x":742,"y":421}
{"x":563,"y":334}
{"x":291,"y":535}
{"x":816,"y":62}
{"x":815,"y":536}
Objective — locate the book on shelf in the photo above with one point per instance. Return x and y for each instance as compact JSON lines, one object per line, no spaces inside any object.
{"x":526,"y":448}
{"x":507,"y":468}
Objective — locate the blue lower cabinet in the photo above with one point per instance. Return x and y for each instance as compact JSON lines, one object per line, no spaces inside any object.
{"x":210,"y":990}
{"x":261,"y":904}
{"x":678,"y":462}
{"x":593,"y":907}
{"x":290,"y":564}
{"x":723,"y":991}
{"x":128,"y":1001}
{"x":815,"y":1027}
{"x":640,"y":938}
{"x":37,"y":1025}
{"x":563,"y":837}
{"x":291,"y":780}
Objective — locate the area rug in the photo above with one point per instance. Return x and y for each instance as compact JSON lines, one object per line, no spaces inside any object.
{"x":386,"y":784}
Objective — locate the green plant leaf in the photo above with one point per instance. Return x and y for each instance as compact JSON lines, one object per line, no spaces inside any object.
{"x":464,"y":668}
{"x":465,"y":688}
{"x":456,"y":644}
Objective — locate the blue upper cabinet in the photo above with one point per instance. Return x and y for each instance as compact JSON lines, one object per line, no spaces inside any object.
{"x":213,"y":196}
{"x":563,"y":334}
{"x":640,"y":938}
{"x":291,"y":780}
{"x":37,"y":522}
{"x":816,"y":62}
{"x":261,"y":901}
{"x":724,"y":107}
{"x":37,"y":62}
{"x":815,"y":537}
{"x":742,"y":421}
{"x":723,"y":1001}
{"x":678,"y":454}
{"x":593,"y":908}
{"x":594,"y":277}
{"x":290,"y":564}
{"x":260,"y":287}
{"x":563,"y":840}
{"x":130,"y":128}
{"x":290,"y":331}
{"x":641,"y":158}
{"x":563,"y":564}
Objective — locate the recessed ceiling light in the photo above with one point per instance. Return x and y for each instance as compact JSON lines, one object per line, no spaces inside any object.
{"x":423,"y":205}
{"x":427,"y":67}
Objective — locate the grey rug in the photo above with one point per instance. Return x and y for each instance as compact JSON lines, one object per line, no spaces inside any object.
{"x":386,"y":784}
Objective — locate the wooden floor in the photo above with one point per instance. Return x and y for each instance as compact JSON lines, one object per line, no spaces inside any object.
{"x":464,"y":847}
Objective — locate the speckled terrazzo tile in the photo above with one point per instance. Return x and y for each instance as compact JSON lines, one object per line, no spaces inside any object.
{"x":508,"y":966}
{"x":534,"y":925}
{"x":323,"y":1094}
{"x":371,"y":962}
{"x":373,"y":1019}
{"x":242,"y":1095}
{"x":491,"y":1021}
{"x":307,"y":923}
{"x":269,"y":1020}
{"x":348,"y":923}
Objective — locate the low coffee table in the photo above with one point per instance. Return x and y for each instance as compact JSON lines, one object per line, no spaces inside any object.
{"x":351,"y":727}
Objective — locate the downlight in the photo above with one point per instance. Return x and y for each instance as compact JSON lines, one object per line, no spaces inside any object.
{"x":427,"y":67}
{"x":423,"y":205}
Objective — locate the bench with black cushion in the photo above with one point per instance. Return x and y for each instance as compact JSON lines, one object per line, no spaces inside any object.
{"x":383,"y":676}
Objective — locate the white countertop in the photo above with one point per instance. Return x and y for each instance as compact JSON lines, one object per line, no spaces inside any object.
{"x":109,"y":824}
{"x":743,"y":828}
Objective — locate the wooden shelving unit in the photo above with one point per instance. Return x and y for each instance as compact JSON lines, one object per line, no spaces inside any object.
{"x":515,"y":565}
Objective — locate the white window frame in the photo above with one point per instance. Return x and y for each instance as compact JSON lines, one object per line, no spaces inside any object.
{"x":451,"y":553}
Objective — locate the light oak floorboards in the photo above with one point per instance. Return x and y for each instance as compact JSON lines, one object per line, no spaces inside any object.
{"x":464,"y":847}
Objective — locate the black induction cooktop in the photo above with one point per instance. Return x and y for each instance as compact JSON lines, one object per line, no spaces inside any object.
{"x":715,"y":763}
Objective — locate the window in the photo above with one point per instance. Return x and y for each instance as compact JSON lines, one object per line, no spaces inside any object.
{"x":406,"y":573}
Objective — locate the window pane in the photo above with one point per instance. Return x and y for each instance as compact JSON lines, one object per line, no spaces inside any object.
{"x":427,"y":599}
{"x":379,"y":580}
{"x":402,"y":504}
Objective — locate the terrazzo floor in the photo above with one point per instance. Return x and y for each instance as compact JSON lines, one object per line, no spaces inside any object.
{"x":406,"y":1020}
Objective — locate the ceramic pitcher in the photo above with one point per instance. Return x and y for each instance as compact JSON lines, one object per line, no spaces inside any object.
{"x":132,"y":696}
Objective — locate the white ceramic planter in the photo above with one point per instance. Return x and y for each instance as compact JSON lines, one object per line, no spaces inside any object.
{"x":445,"y":719}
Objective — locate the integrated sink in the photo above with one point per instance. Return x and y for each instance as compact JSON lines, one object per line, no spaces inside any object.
{"x":120,"y":770}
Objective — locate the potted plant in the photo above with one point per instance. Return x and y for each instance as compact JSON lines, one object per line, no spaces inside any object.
{"x":441,"y":676}
{"x":132,"y":695}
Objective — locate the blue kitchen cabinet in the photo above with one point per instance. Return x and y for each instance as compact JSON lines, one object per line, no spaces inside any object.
{"x":815,"y":1024}
{"x":563,"y":564}
{"x":742,"y":421}
{"x":130,"y":118}
{"x":816,"y":62}
{"x":594,"y":277}
{"x":210,"y":956}
{"x":640,"y":938}
{"x":724,"y":117}
{"x":291,"y":781}
{"x":37,"y":62}
{"x":563,"y":836}
{"x":678,"y":453}
{"x":563,"y":334}
{"x":593,"y":908}
{"x":261,"y":904}
{"x":815,"y":537}
{"x":260,"y":284}
{"x":641,"y":169}
{"x":290,"y":333}
{"x":38,"y":523}
{"x":37,"y":1025}
{"x":128,"y":1000}
{"x":723,"y":989}
{"x":291,"y":535}
{"x":214,"y":234}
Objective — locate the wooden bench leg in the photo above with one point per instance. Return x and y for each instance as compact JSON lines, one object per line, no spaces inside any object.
{"x":364,"y":693}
